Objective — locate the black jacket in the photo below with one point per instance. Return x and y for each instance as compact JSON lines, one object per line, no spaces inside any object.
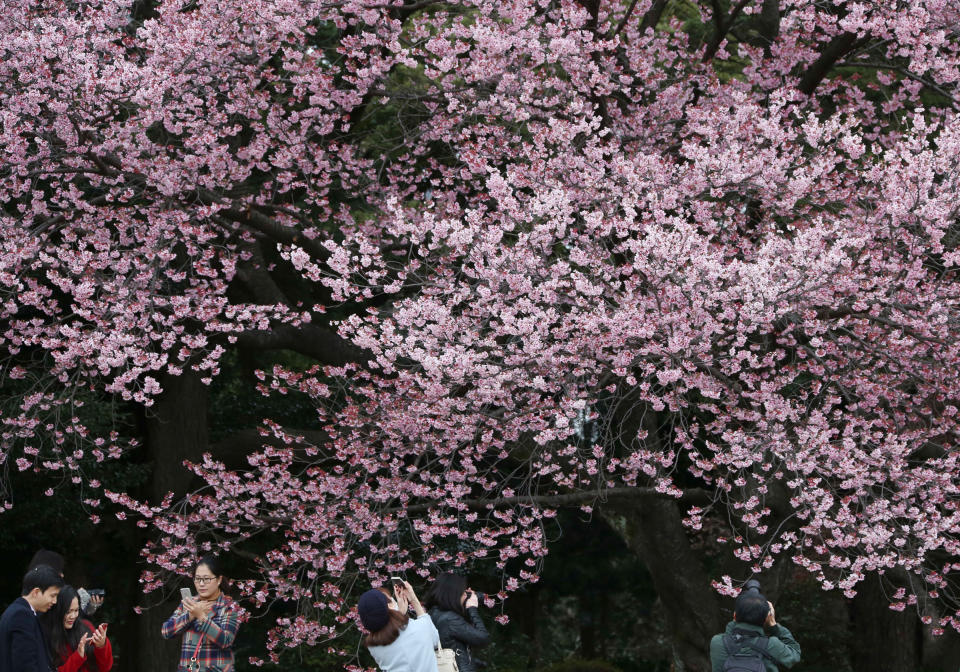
{"x":22,"y":647}
{"x":459,"y":633}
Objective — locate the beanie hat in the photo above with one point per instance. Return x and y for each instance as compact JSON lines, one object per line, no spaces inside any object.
{"x":373,"y":611}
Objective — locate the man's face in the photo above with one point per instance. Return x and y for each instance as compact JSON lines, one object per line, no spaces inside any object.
{"x":46,"y":599}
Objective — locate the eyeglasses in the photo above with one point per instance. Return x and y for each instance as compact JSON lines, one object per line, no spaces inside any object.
{"x":203,"y":580}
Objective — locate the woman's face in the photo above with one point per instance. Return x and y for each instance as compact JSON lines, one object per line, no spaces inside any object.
{"x":73,"y":613}
{"x":207,"y":584}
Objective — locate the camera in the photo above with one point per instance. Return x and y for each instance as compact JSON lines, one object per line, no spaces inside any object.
{"x":480,"y":596}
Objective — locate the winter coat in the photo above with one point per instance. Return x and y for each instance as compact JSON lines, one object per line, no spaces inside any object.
{"x":461,"y":634}
{"x":781,"y":646}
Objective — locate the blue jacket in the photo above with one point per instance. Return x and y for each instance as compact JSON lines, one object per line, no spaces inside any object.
{"x":22,"y":647}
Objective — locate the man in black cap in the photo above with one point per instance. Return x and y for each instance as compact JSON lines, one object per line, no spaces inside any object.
{"x":753,"y":637}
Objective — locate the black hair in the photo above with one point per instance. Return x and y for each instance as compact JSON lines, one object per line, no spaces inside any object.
{"x":751,"y":607}
{"x":212,"y":561}
{"x":446,"y":591}
{"x":61,"y":643}
{"x":42,"y":577}
{"x":51,"y":559}
{"x":215,"y":565}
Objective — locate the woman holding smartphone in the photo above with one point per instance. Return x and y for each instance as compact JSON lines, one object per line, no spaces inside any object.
{"x":455,"y":611}
{"x":396,"y":641}
{"x":73,"y":643}
{"x":208,"y":621}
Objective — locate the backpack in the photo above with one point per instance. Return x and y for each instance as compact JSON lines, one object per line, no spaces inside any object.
{"x":745,"y":652}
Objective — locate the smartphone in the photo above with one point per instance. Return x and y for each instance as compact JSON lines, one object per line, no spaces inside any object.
{"x":97,"y":592}
{"x":185,"y":594}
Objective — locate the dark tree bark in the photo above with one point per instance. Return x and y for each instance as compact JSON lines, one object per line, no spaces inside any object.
{"x":882,"y":639}
{"x":652,"y":17}
{"x":838,"y":47}
{"x":653,"y":529}
{"x":768,"y":23}
{"x":175,"y":430}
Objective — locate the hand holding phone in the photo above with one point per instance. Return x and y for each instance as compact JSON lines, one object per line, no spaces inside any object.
{"x":99,"y":636}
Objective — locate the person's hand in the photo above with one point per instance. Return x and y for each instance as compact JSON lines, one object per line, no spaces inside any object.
{"x":96,"y":601}
{"x":771,"y":616}
{"x":82,"y":646}
{"x":196,"y":608}
{"x":99,"y":636}
{"x":413,"y":599}
{"x":472,"y":599}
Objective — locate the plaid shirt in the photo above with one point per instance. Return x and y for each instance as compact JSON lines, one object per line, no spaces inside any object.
{"x":218,"y":629}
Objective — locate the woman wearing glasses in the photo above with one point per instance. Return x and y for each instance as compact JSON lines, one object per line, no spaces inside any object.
{"x":209,"y":622}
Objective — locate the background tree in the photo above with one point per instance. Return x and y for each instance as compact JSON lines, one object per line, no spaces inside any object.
{"x":669,"y":260}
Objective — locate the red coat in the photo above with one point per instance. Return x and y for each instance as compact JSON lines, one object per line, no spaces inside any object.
{"x":77,"y":663}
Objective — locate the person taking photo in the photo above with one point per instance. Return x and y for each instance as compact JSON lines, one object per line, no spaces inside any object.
{"x":455,"y":610}
{"x":209,"y":622}
{"x":397,"y":642}
{"x":753,"y":640}
{"x":73,"y":643}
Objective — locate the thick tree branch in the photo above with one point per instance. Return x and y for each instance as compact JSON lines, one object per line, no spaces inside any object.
{"x":320,"y":343}
{"x":254,"y":275}
{"x":689,"y":496}
{"x":769,"y":24}
{"x":723,"y":26}
{"x":838,"y":47}
{"x":652,"y":17}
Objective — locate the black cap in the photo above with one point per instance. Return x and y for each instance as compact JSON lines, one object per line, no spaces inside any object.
{"x":373,"y":610}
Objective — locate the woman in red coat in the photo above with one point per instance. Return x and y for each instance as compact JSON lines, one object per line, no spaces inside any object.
{"x":74,"y":644}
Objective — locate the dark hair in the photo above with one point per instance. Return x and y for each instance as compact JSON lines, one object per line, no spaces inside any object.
{"x":212,"y":561}
{"x":447,"y":591}
{"x":42,"y":577}
{"x":61,"y":643}
{"x":51,"y":559}
{"x":387,"y":634}
{"x":751,"y":607}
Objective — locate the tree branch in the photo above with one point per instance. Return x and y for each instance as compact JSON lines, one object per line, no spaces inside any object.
{"x":320,"y":343}
{"x":689,"y":496}
{"x":838,"y":47}
{"x":652,"y":17}
{"x":723,"y":27}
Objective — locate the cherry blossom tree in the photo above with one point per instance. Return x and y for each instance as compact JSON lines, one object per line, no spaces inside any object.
{"x":667,"y":261}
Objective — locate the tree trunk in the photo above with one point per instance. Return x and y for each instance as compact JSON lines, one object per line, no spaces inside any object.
{"x":175,"y":430}
{"x":652,"y":528}
{"x":882,"y":639}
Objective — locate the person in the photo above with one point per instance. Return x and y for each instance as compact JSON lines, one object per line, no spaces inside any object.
{"x":209,"y":621}
{"x":397,"y":642}
{"x":754,"y":629}
{"x":88,"y":603}
{"x":22,"y":647}
{"x":454,"y":608}
{"x":73,"y":643}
